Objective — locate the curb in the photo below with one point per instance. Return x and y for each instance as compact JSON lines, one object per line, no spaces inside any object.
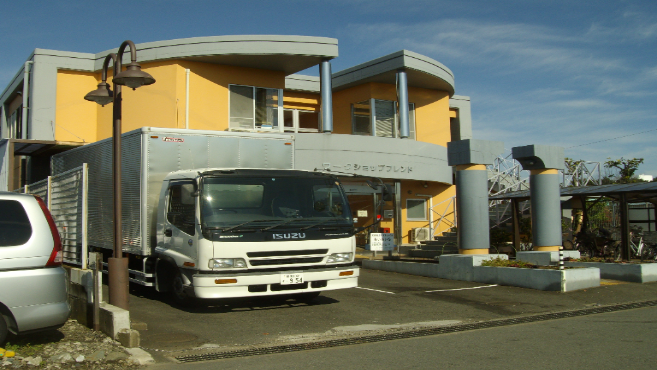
{"x":139,"y":356}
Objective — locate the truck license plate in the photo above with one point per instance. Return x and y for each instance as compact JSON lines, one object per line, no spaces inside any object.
{"x":288,"y":279}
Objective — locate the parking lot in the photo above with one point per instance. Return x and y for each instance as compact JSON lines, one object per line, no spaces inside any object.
{"x":382,"y":300}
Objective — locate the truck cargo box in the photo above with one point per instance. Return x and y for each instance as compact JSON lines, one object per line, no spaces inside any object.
{"x":148,"y":155}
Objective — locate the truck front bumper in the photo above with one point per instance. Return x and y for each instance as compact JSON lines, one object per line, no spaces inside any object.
{"x":243,"y":284}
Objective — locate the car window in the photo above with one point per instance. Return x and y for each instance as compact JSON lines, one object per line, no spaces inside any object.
{"x":15,"y":228}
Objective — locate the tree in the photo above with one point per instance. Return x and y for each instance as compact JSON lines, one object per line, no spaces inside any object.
{"x":572,"y":170}
{"x":621,"y":171}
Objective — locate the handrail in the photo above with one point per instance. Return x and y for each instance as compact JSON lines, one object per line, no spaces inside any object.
{"x":451,"y":202}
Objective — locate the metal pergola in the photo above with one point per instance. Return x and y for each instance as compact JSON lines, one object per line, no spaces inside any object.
{"x":640,"y":192}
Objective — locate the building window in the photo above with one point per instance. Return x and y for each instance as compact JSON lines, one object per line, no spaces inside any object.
{"x":15,"y":124}
{"x":411,"y":121}
{"x":361,"y":118}
{"x":297,"y":120}
{"x":376,"y":117}
{"x":416,"y":209}
{"x":254,"y":107}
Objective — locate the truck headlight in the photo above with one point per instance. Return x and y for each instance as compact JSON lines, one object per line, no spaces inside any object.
{"x":339,"y":257}
{"x":227,"y":263}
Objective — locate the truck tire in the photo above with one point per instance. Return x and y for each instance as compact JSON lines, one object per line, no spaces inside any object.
{"x":177,"y":292}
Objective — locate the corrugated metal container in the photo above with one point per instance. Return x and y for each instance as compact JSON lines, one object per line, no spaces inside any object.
{"x":149,"y":154}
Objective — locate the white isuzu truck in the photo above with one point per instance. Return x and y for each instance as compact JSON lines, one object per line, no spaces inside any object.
{"x":210,"y":214}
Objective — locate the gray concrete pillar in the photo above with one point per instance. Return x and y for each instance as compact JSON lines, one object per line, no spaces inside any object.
{"x":544,"y":163}
{"x":470,"y":157}
{"x":402,"y":94}
{"x":326,"y":92}
{"x":472,"y":209}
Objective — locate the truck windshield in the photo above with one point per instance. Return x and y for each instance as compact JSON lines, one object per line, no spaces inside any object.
{"x":270,"y":203}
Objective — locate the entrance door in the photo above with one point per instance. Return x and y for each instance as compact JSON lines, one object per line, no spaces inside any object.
{"x":362,"y":208}
{"x":362,"y":201}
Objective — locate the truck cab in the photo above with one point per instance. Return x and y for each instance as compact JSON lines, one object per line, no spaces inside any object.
{"x":237,"y":232}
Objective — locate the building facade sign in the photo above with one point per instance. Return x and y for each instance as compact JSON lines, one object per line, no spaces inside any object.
{"x":359,"y":167}
{"x":372,"y":156}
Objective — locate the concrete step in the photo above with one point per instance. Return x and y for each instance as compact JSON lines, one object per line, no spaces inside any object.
{"x":440,"y":241}
{"x":432,"y":253}
{"x":448,"y":237}
{"x":404,"y":249}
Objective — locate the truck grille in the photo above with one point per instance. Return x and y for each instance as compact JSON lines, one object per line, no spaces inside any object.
{"x":285,"y":261}
{"x":305,"y":252}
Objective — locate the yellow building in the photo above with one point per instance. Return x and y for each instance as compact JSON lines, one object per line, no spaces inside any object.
{"x":348,"y":122}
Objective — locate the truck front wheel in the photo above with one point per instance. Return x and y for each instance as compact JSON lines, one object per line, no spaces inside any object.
{"x":177,"y":291}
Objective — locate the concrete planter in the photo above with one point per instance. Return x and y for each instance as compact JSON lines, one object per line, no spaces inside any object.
{"x":539,"y":279}
{"x":544,"y":258}
{"x":410,"y":268}
{"x":633,"y":272}
{"x":468,"y":268}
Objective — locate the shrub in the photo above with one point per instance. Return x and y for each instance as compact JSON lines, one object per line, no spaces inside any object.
{"x":500,"y":262}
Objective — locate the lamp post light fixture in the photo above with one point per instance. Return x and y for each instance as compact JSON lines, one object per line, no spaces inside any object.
{"x":132,"y":77}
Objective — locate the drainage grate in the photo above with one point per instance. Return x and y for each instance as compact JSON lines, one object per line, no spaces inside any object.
{"x":411,"y":333}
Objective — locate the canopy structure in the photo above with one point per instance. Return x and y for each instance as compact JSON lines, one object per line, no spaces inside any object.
{"x":624,"y":193}
{"x":39,"y":152}
{"x":634,"y":193}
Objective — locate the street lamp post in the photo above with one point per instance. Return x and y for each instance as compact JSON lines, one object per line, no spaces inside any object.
{"x":132,"y":77}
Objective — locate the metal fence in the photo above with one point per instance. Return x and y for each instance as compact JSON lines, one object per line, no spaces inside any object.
{"x":505,"y":175}
{"x":446,"y":217}
{"x":66,"y":196}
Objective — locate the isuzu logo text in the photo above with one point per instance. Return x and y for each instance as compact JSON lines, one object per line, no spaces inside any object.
{"x":289,"y":236}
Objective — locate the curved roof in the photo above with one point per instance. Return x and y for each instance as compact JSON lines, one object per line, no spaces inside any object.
{"x":289,"y":54}
{"x":421,"y":71}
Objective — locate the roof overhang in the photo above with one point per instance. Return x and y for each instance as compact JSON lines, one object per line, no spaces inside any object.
{"x":35,"y":148}
{"x":288,"y":54}
{"x":421,"y":71}
{"x":303,"y":83}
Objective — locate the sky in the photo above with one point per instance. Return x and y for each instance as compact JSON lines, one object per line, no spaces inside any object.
{"x":577,"y":74}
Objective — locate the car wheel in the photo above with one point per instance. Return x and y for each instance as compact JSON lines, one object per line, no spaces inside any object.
{"x":3,"y":330}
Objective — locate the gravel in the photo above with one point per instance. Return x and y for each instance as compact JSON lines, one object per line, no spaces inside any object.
{"x":73,"y":346}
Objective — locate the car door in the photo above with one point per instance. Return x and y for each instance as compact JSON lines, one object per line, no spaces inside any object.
{"x":180,"y":223}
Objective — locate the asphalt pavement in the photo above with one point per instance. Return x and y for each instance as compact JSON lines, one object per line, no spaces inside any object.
{"x":618,"y":340}
{"x":384,"y":302}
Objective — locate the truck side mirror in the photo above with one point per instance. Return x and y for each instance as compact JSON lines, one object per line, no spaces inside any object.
{"x":187,"y":193}
{"x":387,"y":193}
{"x":386,"y":190}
